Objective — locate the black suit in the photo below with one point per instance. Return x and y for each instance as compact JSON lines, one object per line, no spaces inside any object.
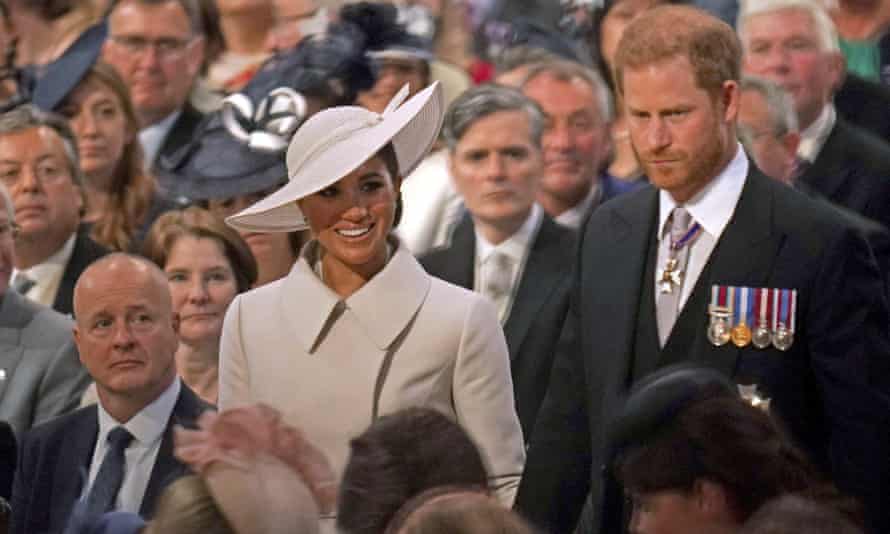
{"x":831,"y":388}
{"x":55,"y":457}
{"x":85,"y":252}
{"x":181,"y":134}
{"x":865,"y":104}
{"x":853,"y":170}
{"x":538,"y":309}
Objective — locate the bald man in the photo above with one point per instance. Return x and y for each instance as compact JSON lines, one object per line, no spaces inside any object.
{"x":118,"y":455}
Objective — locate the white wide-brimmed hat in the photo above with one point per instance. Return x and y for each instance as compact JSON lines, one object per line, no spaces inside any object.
{"x":335,"y":142}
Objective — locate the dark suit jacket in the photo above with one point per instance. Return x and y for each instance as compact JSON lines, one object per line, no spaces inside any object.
{"x":830,"y":388}
{"x":180,"y":135}
{"x":865,"y":104}
{"x":538,"y":309}
{"x":85,"y":252}
{"x":853,"y":170}
{"x":54,"y":460}
{"x":42,"y":375}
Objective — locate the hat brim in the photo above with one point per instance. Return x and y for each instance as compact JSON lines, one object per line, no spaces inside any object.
{"x":318,"y":157}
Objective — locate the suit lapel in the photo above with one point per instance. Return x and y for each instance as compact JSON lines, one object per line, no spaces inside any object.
{"x":75,"y":454}
{"x":545,"y":267}
{"x":459,"y":267}
{"x":830,"y":171}
{"x":744,"y":256}
{"x":621,"y":265}
{"x":167,"y":468}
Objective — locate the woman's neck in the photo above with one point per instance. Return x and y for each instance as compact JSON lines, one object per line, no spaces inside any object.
{"x":274,"y":268}
{"x":859,"y":21}
{"x":624,"y":163}
{"x":198,"y":365}
{"x":347,"y":279}
{"x":245,"y":32}
{"x":98,"y":199}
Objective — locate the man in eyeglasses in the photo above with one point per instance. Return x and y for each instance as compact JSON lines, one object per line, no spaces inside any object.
{"x":158,"y":48}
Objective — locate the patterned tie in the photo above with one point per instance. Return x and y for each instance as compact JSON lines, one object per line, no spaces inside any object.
{"x":22,"y":284}
{"x":103,"y":494}
{"x":668,"y":303}
{"x":498,"y":279}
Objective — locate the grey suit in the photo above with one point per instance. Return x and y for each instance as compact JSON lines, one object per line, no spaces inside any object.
{"x":41,"y":374}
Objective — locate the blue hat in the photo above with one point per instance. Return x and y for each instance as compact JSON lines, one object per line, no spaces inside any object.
{"x":62,"y":75}
{"x":655,"y":401}
{"x":240,"y":149}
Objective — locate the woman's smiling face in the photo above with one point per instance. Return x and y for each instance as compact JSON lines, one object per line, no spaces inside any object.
{"x":352,"y":218}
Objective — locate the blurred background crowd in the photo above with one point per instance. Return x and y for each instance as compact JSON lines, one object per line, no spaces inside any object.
{"x":130,"y":130}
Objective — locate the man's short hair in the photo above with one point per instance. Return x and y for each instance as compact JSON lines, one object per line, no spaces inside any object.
{"x":521,"y":56}
{"x":192,"y":8}
{"x":27,"y":116}
{"x":779,"y":103}
{"x":567,"y":71}
{"x":822,"y":23}
{"x":666,"y":32}
{"x":484,"y":100}
{"x":793,"y":513}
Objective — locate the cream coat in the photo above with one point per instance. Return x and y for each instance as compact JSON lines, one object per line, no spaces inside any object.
{"x":295,"y":345}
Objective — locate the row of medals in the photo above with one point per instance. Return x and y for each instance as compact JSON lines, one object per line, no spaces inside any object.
{"x":720,"y":333}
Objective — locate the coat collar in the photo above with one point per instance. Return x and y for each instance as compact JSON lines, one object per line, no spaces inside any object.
{"x":14,"y":315}
{"x":383,"y":306}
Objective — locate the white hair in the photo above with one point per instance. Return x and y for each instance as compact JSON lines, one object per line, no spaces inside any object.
{"x":779,"y":103}
{"x":822,"y":23}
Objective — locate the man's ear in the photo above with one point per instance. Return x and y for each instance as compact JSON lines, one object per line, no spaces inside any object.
{"x":790,"y":141}
{"x":196,"y":57}
{"x":730,"y":99}
{"x":75,"y":332}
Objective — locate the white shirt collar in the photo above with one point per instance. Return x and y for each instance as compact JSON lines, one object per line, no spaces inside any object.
{"x":149,"y":424}
{"x":814,"y":136}
{"x":516,"y":246}
{"x":713,"y":206}
{"x":152,"y":137}
{"x":574,"y":216}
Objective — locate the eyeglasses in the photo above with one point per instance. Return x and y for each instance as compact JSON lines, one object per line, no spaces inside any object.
{"x":46,"y":172}
{"x":9,"y":230}
{"x":166,"y":47}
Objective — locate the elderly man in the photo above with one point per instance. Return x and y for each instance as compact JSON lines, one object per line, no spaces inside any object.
{"x":578,"y":107}
{"x":40,"y":375}
{"x":157,"y":46}
{"x":40,"y":168}
{"x":688,"y":270}
{"x":794,"y":43}
{"x":507,"y":248}
{"x":126,"y":335}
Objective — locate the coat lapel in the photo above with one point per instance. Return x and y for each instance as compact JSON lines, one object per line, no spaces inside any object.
{"x":167,"y":468}
{"x":547,"y":263}
{"x":621,"y":265}
{"x":75,"y":454}
{"x":459,"y":265}
{"x":13,"y":318}
{"x":744,"y":256}
{"x":830,"y":171}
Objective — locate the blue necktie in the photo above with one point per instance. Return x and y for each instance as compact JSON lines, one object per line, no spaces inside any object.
{"x":103,"y":494}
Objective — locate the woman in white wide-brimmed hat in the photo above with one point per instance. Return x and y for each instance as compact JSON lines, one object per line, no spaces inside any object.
{"x":358,"y":329}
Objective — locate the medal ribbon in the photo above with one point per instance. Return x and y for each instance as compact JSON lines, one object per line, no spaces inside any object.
{"x":749,"y":299}
{"x":774,"y":322}
{"x":686,"y":238}
{"x":784,"y":310}
{"x":731,"y":303}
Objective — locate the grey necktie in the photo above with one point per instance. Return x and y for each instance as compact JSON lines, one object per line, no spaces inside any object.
{"x":22,"y":284}
{"x":107,"y":484}
{"x":667,"y":302}
{"x":498,"y":279}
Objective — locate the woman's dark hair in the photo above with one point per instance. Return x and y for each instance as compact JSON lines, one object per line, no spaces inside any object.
{"x":50,"y":9}
{"x":200,"y":223}
{"x":801,"y":515}
{"x":398,"y":457}
{"x":723,"y":440}
{"x":388,"y":155}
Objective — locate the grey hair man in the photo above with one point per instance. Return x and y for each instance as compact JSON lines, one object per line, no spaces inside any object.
{"x":40,"y":374}
{"x":507,"y":248}
{"x":157,"y":46}
{"x":768,"y":127}
{"x":578,"y":108}
{"x":794,"y":44}
{"x":40,"y":167}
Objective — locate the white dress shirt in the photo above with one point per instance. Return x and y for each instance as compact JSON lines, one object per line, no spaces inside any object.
{"x":574,"y":216}
{"x":147,"y":428}
{"x":47,"y":276}
{"x":814,"y":136}
{"x":712,"y":207}
{"x":516,"y":247}
{"x":152,"y":137}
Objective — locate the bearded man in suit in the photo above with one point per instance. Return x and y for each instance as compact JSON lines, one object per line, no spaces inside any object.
{"x":656,"y":268}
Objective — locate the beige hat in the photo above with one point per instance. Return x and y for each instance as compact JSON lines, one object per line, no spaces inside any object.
{"x":335,"y":142}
